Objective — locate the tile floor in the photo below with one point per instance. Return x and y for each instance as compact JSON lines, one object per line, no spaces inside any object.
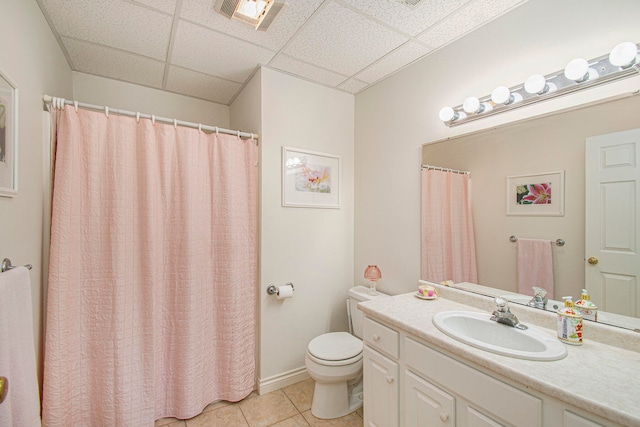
{"x":288,"y":407}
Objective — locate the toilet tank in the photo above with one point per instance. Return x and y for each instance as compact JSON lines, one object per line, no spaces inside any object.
{"x":358,"y":294}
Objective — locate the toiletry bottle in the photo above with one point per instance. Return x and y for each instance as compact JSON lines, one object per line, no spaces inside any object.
{"x":569,"y":323}
{"x":586,"y":307}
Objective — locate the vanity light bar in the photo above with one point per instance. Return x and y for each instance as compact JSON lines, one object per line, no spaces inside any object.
{"x":579,"y":74}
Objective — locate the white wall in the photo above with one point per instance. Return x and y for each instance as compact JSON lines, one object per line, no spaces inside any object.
{"x":127,"y":96}
{"x":31,"y":58}
{"x":313,"y":248}
{"x":395,"y":117}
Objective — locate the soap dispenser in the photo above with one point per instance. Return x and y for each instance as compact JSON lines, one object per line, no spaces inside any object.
{"x":586,"y":307}
{"x":569,"y":323}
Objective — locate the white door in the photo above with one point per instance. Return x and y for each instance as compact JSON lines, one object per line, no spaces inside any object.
{"x":426,"y":405}
{"x":612,"y":262}
{"x":380,"y":390}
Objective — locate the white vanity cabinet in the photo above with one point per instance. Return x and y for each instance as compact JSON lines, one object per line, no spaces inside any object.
{"x":410,"y":383}
{"x":380,"y":369}
{"x":480,"y":400}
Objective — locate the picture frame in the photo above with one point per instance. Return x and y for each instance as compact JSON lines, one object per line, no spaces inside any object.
{"x":310,"y":179}
{"x":536,"y":194}
{"x":8,"y":137}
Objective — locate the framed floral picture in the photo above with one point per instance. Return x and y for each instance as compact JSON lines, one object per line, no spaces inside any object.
{"x":539,"y":194}
{"x":310,"y":179}
{"x":8,"y":137}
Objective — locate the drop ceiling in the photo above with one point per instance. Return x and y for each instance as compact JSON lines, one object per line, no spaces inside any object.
{"x":185,"y":47}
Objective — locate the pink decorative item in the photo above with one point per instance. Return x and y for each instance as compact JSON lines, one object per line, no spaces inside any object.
{"x":373,"y":274}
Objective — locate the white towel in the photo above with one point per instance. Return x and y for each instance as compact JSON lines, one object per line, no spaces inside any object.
{"x":535,"y":266}
{"x":17,"y":351}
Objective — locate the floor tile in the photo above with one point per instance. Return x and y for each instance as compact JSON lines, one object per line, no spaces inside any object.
{"x":351,"y":420}
{"x":360,"y":412}
{"x":224,"y":416}
{"x":268,"y":409}
{"x":301,"y":394}
{"x":297,"y":421}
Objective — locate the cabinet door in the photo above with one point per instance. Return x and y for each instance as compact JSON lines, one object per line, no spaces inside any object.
{"x":476,"y":419}
{"x":426,"y":405}
{"x":573,"y":420}
{"x":380,"y":390}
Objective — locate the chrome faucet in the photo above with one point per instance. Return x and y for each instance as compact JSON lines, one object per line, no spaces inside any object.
{"x":502,"y":314}
{"x":539,"y":299}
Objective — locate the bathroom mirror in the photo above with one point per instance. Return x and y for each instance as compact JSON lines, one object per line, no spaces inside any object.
{"x":552,"y":143}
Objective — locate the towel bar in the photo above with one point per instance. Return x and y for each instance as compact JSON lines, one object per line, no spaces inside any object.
{"x":6,"y":265}
{"x":558,"y":242}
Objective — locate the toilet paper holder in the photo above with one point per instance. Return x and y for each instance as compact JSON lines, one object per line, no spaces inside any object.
{"x":272,"y":290}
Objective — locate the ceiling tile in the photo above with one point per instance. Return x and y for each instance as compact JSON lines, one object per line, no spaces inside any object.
{"x":114,"y":23}
{"x":409,"y":20}
{"x":291,"y":18}
{"x":212,"y":53}
{"x":467,"y":19}
{"x":168,"y":6}
{"x":116,"y":64}
{"x":397,"y":59}
{"x":200,"y":85}
{"x":353,"y":85}
{"x":307,"y":71}
{"x":341,"y":40}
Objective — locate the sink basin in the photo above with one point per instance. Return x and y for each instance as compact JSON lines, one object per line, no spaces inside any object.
{"x":477,"y":330}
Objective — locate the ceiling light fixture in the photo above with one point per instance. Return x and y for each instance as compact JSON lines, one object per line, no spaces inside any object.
{"x":622,"y":62}
{"x":257,"y":13}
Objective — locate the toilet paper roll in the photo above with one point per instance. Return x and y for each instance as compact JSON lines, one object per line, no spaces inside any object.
{"x":284,"y":292}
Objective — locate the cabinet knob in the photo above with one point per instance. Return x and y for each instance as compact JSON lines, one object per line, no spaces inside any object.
{"x":4,"y":388}
{"x":376,"y":337}
{"x":389,"y":379}
{"x":444,"y":417}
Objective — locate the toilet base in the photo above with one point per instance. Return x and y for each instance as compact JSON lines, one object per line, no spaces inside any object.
{"x":335,"y":400}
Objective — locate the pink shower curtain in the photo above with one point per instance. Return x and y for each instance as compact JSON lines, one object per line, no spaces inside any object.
{"x":448,"y":244}
{"x":151,"y":306}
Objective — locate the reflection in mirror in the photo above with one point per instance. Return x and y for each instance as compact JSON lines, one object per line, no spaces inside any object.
{"x":548,"y":144}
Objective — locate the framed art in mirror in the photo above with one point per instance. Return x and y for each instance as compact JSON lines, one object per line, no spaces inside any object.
{"x":539,"y":194}
{"x":8,"y":137}
{"x":310,"y":179}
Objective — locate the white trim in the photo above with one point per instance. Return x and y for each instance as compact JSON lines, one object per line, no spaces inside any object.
{"x":282,"y":380}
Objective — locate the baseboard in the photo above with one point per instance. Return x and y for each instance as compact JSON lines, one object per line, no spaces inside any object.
{"x":276,"y":382}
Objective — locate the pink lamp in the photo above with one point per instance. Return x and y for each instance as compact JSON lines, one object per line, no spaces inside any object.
{"x":373,"y":274}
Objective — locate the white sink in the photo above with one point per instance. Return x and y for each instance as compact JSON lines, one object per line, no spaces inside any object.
{"x":477,"y":330}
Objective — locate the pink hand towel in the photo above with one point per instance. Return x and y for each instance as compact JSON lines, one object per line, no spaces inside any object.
{"x":17,"y":352}
{"x":535,"y":266}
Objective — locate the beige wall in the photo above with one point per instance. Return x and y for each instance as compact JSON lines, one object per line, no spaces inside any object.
{"x":541,"y":145}
{"x":32,"y":59}
{"x":313,"y":248}
{"x":395,"y":117}
{"x":116,"y":94}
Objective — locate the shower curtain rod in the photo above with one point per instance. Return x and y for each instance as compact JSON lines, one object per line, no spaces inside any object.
{"x":59,"y":102}
{"x":438,"y":168}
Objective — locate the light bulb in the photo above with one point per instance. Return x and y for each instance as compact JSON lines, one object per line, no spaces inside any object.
{"x":448,"y":114}
{"x":624,"y":55}
{"x":536,"y":84}
{"x":578,"y":70}
{"x":502,"y":95}
{"x":472,"y":105}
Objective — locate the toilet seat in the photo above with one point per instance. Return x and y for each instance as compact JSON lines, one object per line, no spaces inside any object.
{"x":335,"y":348}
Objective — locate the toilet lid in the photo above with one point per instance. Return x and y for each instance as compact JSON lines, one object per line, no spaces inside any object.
{"x":335,"y":346}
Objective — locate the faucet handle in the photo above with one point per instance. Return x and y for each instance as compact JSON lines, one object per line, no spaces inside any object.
{"x":502,"y":304}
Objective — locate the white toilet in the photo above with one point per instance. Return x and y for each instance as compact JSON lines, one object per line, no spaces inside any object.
{"x":334,"y":361}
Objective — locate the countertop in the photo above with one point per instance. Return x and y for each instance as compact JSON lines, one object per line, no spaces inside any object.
{"x":599,"y":378}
